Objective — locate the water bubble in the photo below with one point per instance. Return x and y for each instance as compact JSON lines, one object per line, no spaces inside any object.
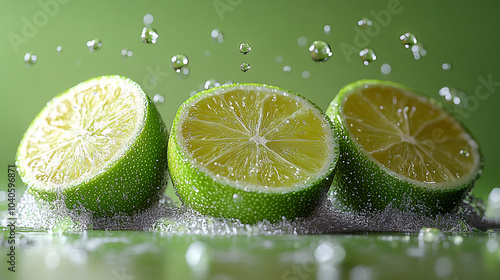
{"x":158,"y":98}
{"x":430,"y":234}
{"x":327,"y":28}
{"x":149,"y":35}
{"x":244,"y":66}
{"x":464,"y":153}
{"x":367,"y":56}
{"x":365,"y":23}
{"x":385,"y":68}
{"x":320,"y":51}
{"x":237,"y":198}
{"x":492,"y":245}
{"x":245,"y":48}
{"x":217,"y":35}
{"x":446,"y":66}
{"x":179,"y":62}
{"x":457,"y":239}
{"x":198,"y":257}
{"x":408,"y":39}
{"x":287,"y":68}
{"x":306,"y":74}
{"x":302,"y":41}
{"x":59,"y":49}
{"x":126,"y":53}
{"x":30,"y":59}
{"x":94,"y":45}
{"x":148,"y":19}
{"x":210,"y":84}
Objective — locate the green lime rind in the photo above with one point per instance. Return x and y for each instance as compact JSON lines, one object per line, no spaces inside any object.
{"x":126,"y":186}
{"x":215,"y":197}
{"x":361,"y":184}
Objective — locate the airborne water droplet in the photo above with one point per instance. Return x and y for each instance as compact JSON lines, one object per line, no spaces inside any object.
{"x":179,"y":62}
{"x":30,"y":59}
{"x":287,"y":68}
{"x":126,"y":53}
{"x":209,"y":84}
{"x":245,"y":48}
{"x":217,"y":35}
{"x":301,"y":41}
{"x":149,"y":35}
{"x":446,"y":66}
{"x":94,"y":45}
{"x":148,"y":19}
{"x":367,"y":56}
{"x":327,"y":28}
{"x":408,"y":39}
{"x":158,"y":98}
{"x":59,"y":49}
{"x":454,"y":96}
{"x":385,"y":68}
{"x":320,"y":51}
{"x":244,"y":66}
{"x":365,"y":23}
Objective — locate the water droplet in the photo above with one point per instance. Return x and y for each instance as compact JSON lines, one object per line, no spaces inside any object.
{"x":464,"y":153}
{"x":418,"y":51}
{"x":149,"y":35}
{"x":367,"y":56}
{"x":457,"y":239}
{"x":385,"y":68}
{"x":126,"y":53}
{"x":245,"y":48}
{"x":454,"y":96}
{"x":430,"y":234}
{"x":179,"y":62}
{"x":287,"y":68}
{"x":279,"y":59}
{"x":302,"y":41}
{"x":244,"y":66}
{"x":320,"y":51}
{"x":148,"y":19}
{"x":210,"y":84}
{"x":59,"y":49}
{"x":30,"y":59}
{"x":237,"y":198}
{"x":327,"y":28}
{"x":365,"y":23}
{"x":217,"y":35}
{"x":306,"y":74}
{"x":446,"y":66}
{"x":443,"y":267}
{"x":408,"y":39}
{"x":94,"y":45}
{"x":158,"y":98}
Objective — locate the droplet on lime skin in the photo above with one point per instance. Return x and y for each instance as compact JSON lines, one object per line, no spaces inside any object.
{"x":30,"y":59}
{"x":149,"y":35}
{"x":408,"y":39}
{"x":320,"y":51}
{"x":245,"y":48}
{"x":367,"y":56}
{"x":179,"y":62}
{"x":465,"y":153}
{"x":94,"y":45}
{"x":244,"y":67}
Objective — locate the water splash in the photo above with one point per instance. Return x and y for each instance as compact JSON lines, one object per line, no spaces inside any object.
{"x":245,"y":48}
{"x":179,"y":62}
{"x":94,"y":45}
{"x":149,"y":35}
{"x":320,"y":51}
{"x":367,"y":56}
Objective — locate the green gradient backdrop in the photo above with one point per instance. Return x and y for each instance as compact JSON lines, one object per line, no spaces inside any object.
{"x":462,"y":33}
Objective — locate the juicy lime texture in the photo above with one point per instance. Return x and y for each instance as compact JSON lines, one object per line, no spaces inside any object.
{"x":400,"y":148}
{"x":99,"y":147}
{"x":251,"y":152}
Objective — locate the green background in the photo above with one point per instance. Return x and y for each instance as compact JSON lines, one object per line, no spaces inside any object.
{"x":464,"y":34}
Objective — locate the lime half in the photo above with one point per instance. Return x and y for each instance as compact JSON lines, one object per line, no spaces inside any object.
{"x":400,"y":148}
{"x":99,"y":147}
{"x":251,"y":152}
